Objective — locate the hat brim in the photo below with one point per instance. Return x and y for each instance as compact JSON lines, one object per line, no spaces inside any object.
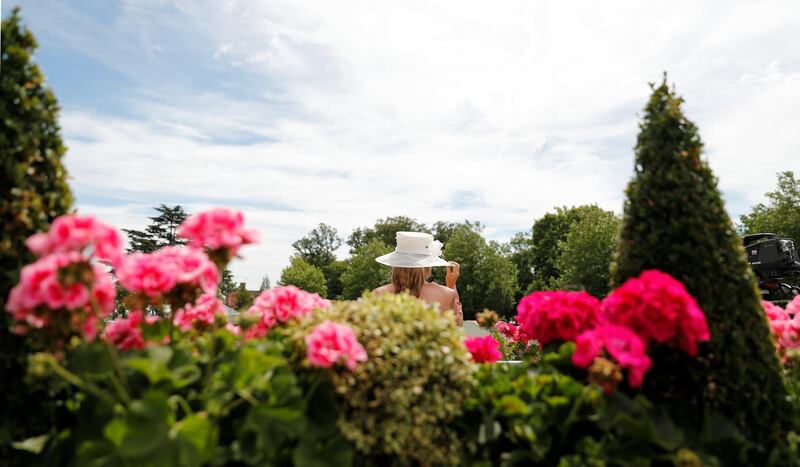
{"x":407,"y":260}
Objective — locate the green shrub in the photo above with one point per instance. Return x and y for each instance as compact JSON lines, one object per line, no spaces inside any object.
{"x":418,"y":374}
{"x":34,"y":192}
{"x":363,"y":273}
{"x":675,"y":221}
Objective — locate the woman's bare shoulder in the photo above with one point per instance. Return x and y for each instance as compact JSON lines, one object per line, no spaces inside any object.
{"x":388,"y":288}
{"x":439,"y":288}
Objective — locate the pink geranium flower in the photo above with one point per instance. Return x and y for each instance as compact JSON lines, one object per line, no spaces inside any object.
{"x":126,"y":333}
{"x":558,"y":315}
{"x":621,"y":343}
{"x":793,"y":307}
{"x":484,"y":349}
{"x":280,"y":305}
{"x":191,"y":267}
{"x":146,"y":273}
{"x":506,"y":329}
{"x":201,"y":315}
{"x":74,"y":232}
{"x":53,"y":293}
{"x":657,"y":306}
{"x":154,"y":274}
{"x":217,"y":228}
{"x":330,"y":343}
{"x":784,"y":327}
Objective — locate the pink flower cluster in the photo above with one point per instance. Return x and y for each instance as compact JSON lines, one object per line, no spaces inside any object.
{"x":513,"y":333}
{"x":484,"y":349}
{"x":153,"y":274}
{"x":330,"y":343}
{"x":654,"y":306}
{"x":201,"y":315}
{"x":622,"y":343}
{"x":61,"y":288}
{"x":126,"y":334}
{"x":658,"y":307}
{"x":74,"y":232}
{"x":558,"y":315}
{"x":217,"y":228}
{"x":280,"y":305}
{"x":784,"y":324}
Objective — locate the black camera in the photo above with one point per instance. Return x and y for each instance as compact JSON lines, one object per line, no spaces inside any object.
{"x":772,"y":259}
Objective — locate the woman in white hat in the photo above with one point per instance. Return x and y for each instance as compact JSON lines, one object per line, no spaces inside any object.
{"x":411,"y":261}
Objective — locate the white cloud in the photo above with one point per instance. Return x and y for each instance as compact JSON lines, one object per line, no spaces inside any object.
{"x":360,"y":110}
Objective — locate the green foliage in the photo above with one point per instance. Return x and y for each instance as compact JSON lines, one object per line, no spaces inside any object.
{"x":319,"y":246}
{"x":781,"y":215}
{"x":384,"y":231}
{"x":584,"y":257}
{"x":363,"y":273}
{"x":521,"y":254}
{"x":548,"y":233}
{"x":304,"y":276}
{"x":207,"y":399}
{"x":34,"y":192}
{"x":333,"y":277}
{"x":488,"y":279}
{"x":675,"y":221}
{"x":400,"y":401}
{"x":244,"y":299}
{"x":443,"y":231}
{"x":161,"y":232}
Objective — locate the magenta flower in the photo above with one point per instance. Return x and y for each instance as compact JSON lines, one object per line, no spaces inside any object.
{"x":74,"y":232}
{"x":217,"y":228}
{"x":330,"y":343}
{"x":558,"y":315}
{"x":506,"y":329}
{"x":793,"y":307}
{"x":484,"y":349}
{"x":280,"y":305}
{"x":621,"y":343}
{"x":200,"y":315}
{"x":784,"y":327}
{"x":657,"y":306}
{"x":191,"y":267}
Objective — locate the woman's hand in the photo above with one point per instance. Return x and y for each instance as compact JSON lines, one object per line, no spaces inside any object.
{"x":453,"y":271}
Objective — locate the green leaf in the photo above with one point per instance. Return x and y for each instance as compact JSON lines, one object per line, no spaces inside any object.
{"x":91,"y":359}
{"x":146,"y":426}
{"x":332,"y":452}
{"x":34,"y":445}
{"x":197,"y":440}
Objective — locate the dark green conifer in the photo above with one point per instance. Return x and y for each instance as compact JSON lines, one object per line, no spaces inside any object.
{"x":34,"y":192}
{"x":675,"y":221}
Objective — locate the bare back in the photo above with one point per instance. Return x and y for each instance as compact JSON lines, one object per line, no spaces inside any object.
{"x":433,"y":293}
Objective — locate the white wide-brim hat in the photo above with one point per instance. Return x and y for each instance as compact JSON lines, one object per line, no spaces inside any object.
{"x":414,"y":250}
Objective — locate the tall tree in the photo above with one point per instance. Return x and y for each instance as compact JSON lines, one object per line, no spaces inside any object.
{"x":265,"y":283}
{"x":781,"y":214}
{"x":521,"y":254}
{"x":675,"y":221}
{"x":584,"y":256}
{"x":34,"y":192}
{"x":226,"y":283}
{"x":244,"y":299}
{"x":304,"y":275}
{"x":384,"y":231}
{"x":319,"y":246}
{"x":363,"y":272}
{"x":548,"y":232}
{"x":444,"y":230}
{"x":161,"y":232}
{"x":333,"y":276}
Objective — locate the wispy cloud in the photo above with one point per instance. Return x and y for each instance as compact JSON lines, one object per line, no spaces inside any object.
{"x":307,"y":112}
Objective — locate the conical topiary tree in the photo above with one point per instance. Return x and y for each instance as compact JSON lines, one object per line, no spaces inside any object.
{"x":34,"y":192}
{"x":675,"y":221}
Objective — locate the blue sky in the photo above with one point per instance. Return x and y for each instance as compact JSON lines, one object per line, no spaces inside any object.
{"x":300,"y":112}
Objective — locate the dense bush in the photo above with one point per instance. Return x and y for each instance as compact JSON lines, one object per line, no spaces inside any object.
{"x":34,"y":192}
{"x":399,"y":403}
{"x":675,"y":221}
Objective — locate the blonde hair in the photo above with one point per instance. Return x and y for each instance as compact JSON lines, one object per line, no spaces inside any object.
{"x":411,"y":279}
